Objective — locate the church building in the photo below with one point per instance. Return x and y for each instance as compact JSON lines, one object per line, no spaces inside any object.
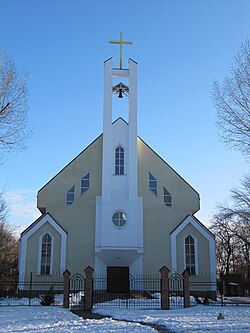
{"x":117,"y":204}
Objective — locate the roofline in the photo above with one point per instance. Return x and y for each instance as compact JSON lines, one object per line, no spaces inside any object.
{"x":37,"y":221}
{"x":169,"y":166}
{"x":99,"y":138}
{"x":79,"y":154}
{"x":69,"y":163}
{"x":120,"y":118}
{"x":198,"y":221}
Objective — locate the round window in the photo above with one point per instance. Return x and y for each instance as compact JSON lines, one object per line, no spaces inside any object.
{"x":119,"y":219}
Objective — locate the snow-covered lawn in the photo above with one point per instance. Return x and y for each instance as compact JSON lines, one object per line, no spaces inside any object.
{"x":56,"y":319}
{"x":198,"y":318}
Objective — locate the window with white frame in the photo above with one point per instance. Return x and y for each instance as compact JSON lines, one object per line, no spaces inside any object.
{"x":46,"y":254}
{"x":190,"y":254}
{"x":167,"y":198}
{"x":85,"y":183}
{"x":119,"y":219}
{"x":119,"y":161}
{"x":70,"y":197}
{"x":152,"y":183}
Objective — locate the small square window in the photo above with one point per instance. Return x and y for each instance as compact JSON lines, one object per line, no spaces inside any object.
{"x":70,"y":198}
{"x":167,"y":197}
{"x":152,"y":183}
{"x":85,"y":181}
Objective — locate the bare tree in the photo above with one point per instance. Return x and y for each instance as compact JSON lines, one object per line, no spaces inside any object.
{"x":232,"y":101}
{"x":225,"y":245}
{"x":13,"y":105}
{"x":13,"y":135}
{"x":231,"y":225}
{"x":9,"y":245}
{"x":3,"y":208}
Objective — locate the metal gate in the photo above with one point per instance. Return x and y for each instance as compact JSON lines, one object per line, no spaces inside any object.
{"x":175,"y":284}
{"x":77,"y":283}
{"x":144,"y":293}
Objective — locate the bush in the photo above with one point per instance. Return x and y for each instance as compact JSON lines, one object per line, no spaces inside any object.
{"x":197,"y":300}
{"x":48,"y":298}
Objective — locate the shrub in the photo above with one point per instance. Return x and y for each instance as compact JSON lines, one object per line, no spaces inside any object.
{"x":48,"y":298}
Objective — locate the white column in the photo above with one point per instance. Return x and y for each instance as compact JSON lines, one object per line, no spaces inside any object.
{"x":132,"y":130}
{"x":107,"y":129}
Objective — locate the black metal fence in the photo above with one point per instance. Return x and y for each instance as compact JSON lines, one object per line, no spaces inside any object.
{"x":76,"y":291}
{"x":144,"y":292}
{"x":176,"y":292}
{"x":30,"y":288}
{"x":206,"y":289}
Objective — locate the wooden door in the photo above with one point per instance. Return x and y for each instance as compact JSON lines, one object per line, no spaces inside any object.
{"x":117,"y":279}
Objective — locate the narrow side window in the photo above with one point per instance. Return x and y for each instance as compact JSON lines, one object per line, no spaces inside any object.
{"x":152,"y":183}
{"x":85,"y":183}
{"x":70,"y":197}
{"x":46,"y":254}
{"x":190,"y":255}
{"x":167,"y":198}
{"x":119,"y":161}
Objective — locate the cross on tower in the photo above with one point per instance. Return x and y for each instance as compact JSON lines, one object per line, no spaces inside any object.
{"x":121,"y":42}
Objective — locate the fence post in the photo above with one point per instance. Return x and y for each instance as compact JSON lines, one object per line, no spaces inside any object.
{"x":222,"y":287}
{"x":164,"y":271}
{"x":30,"y":288}
{"x":88,"y":290}
{"x":186,"y":290}
{"x":66,"y":287}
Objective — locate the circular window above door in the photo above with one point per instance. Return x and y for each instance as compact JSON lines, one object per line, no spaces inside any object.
{"x":119,"y":219}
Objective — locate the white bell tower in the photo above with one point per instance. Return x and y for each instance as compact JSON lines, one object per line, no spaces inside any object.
{"x":119,"y":210}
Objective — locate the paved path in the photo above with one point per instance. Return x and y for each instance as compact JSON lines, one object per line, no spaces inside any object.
{"x":91,"y":315}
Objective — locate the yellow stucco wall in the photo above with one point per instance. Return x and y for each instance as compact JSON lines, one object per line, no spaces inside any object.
{"x":160,"y":220}
{"x":77,"y":219}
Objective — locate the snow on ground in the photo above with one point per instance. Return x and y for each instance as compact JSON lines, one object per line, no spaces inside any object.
{"x":197,"y":319}
{"x":54,"y":319}
{"x":194,"y":319}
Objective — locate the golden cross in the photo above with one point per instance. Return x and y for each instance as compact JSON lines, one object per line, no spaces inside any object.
{"x":121,"y":42}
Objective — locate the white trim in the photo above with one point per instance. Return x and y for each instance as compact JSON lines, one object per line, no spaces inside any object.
{"x":29,"y":233}
{"x":191,"y":220}
{"x":40,"y":253}
{"x":196,"y":258}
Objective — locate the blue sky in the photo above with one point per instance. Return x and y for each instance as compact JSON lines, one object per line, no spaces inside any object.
{"x":181,"y":47}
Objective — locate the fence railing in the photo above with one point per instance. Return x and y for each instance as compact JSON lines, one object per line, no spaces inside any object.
{"x":85,"y":291}
{"x":144,"y":292}
{"x":30,"y":288}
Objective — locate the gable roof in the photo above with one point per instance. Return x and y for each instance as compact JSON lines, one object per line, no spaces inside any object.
{"x":71,"y":161}
{"x":120,"y":118}
{"x":32,"y":225}
{"x":169,"y":166}
{"x":195,"y":220}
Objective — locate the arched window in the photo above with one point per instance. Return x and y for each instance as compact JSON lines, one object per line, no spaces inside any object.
{"x":46,"y":254}
{"x":119,"y":161}
{"x":190,"y":255}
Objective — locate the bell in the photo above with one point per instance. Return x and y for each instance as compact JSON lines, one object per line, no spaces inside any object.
{"x":120,"y":94}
